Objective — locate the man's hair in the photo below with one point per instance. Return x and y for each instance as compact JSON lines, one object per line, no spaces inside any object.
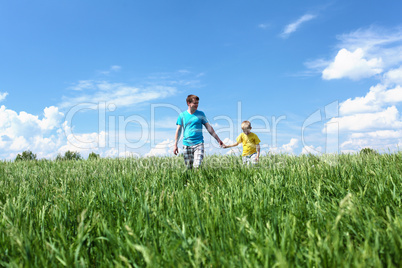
{"x":245,"y":125}
{"x":192,"y":98}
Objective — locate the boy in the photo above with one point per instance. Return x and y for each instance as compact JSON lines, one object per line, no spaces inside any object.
{"x":251,"y":144}
{"x":192,"y":121}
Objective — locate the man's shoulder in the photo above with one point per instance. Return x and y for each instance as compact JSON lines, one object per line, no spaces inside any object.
{"x":201,"y":116}
{"x":184,"y":114}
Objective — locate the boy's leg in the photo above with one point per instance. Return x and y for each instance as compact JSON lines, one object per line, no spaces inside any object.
{"x":245,"y":159}
{"x":249,"y":159}
{"x":253,"y":158}
{"x":198,"y":155}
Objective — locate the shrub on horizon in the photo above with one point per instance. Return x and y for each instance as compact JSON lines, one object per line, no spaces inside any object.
{"x":69,"y":155}
{"x":26,"y":156}
{"x":368,"y":151}
{"x":93,"y":156}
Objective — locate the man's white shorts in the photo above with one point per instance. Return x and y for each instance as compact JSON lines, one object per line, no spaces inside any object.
{"x":193,"y":155}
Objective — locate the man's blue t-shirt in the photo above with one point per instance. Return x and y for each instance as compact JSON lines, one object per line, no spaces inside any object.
{"x":192,"y":125}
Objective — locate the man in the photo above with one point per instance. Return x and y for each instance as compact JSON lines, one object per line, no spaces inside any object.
{"x":191,"y":121}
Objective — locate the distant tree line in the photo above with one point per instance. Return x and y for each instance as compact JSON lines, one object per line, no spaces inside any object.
{"x":69,"y":155}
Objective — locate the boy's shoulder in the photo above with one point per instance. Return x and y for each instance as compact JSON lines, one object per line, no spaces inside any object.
{"x":242,"y":135}
{"x":254,"y":136}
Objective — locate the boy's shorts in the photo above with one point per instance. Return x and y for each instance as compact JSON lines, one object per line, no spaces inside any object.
{"x":193,"y":155}
{"x":250,"y":159}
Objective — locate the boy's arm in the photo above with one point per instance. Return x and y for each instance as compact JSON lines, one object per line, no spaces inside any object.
{"x":257,"y":147}
{"x":176,"y":140}
{"x":212,"y":132}
{"x":232,"y":145}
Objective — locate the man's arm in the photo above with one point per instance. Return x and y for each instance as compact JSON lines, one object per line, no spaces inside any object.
{"x":212,"y":132}
{"x":176,"y":140}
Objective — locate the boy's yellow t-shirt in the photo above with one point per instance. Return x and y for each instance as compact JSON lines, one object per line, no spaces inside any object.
{"x":249,"y":143}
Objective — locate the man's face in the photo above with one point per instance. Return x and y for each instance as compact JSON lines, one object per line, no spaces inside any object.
{"x":193,"y":105}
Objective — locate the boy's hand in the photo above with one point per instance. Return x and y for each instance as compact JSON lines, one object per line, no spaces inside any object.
{"x":257,"y":159}
{"x":224,"y":146}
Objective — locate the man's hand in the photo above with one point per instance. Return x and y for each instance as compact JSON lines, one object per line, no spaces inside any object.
{"x":221,"y":143}
{"x":176,"y":139}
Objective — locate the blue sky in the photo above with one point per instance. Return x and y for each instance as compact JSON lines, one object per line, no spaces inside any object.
{"x":111,"y":76}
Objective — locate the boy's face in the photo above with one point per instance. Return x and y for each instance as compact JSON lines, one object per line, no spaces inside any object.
{"x":247,"y":130}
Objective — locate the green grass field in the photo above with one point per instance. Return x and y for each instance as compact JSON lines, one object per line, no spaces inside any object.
{"x":289,"y":211}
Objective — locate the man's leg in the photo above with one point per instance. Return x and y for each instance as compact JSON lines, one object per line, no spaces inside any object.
{"x":188,"y":153}
{"x":198,"y":155}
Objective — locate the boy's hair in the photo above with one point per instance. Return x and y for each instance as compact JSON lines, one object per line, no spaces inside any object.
{"x":192,"y":98}
{"x":245,"y":125}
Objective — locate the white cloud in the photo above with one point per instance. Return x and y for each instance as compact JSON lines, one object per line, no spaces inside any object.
{"x":285,"y":148}
{"x":184,"y":78}
{"x":362,"y":53}
{"x":378,"y":97}
{"x":165,"y":148}
{"x":376,"y":42}
{"x":383,"y":141}
{"x":113,"y":68}
{"x":25,"y":124}
{"x":292,"y":27}
{"x":263,"y":25}
{"x":47,"y":134}
{"x":3,"y":96}
{"x":312,"y":150}
{"x":317,"y":64}
{"x":112,"y":152}
{"x":52,"y":118}
{"x":379,"y":134}
{"x":23,"y":131}
{"x":118,"y":94}
{"x":392,"y":95}
{"x":291,"y":145}
{"x":372,"y":120}
{"x":389,"y":118}
{"x":83,"y":85}
{"x":19,"y":144}
{"x":366,"y":104}
{"x":393,"y":76}
{"x":83,"y":141}
{"x":352,"y":65}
